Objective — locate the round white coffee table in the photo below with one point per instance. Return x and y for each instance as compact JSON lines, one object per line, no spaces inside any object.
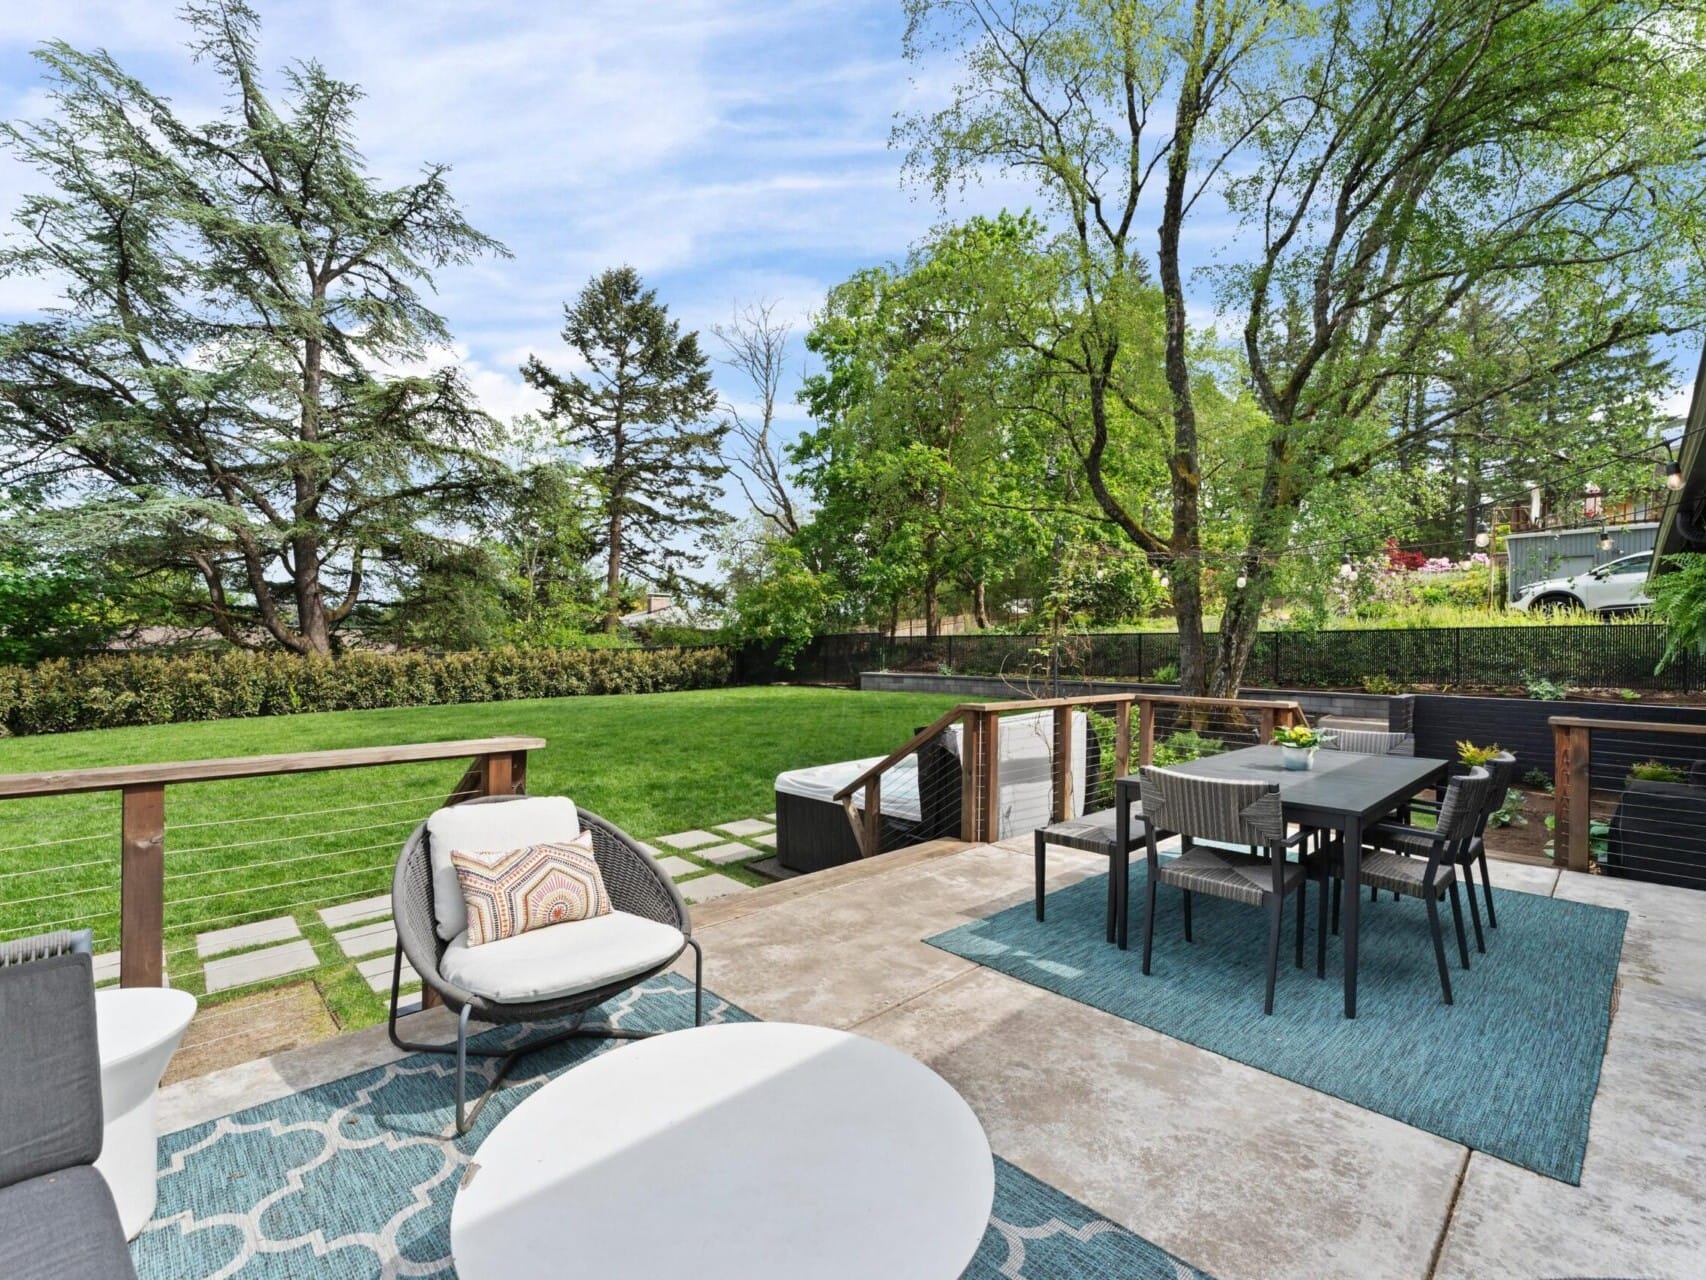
{"x":735,"y":1152}
{"x":138,"y":1029}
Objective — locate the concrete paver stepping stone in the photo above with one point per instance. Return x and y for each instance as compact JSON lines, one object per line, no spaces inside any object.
{"x":675,"y":867}
{"x":724,"y":854}
{"x":259,"y":966}
{"x":218,"y":941}
{"x":355,"y":912}
{"x":715,"y":885}
{"x":765,"y":838}
{"x":770,"y":817}
{"x":745,"y":827}
{"x":377,"y":971}
{"x":368,"y":939}
{"x":689,"y":839}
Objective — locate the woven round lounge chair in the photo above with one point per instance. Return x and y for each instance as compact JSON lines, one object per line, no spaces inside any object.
{"x":637,"y":886}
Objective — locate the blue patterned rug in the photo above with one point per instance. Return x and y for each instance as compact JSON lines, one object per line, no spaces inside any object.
{"x":1510,"y":1069}
{"x":354,"y":1179}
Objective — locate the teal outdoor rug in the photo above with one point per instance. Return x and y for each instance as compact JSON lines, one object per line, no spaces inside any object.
{"x":1510,"y":1069}
{"x":354,"y":1179}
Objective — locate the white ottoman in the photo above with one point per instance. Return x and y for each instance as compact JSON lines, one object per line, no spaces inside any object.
{"x":139,"y":1029}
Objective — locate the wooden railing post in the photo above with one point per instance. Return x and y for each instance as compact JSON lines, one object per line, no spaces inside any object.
{"x":989,"y":823}
{"x":1267,"y":720}
{"x":871,"y":836}
{"x":1145,"y":732}
{"x":142,"y":886}
{"x":518,"y":772}
{"x":971,"y":758}
{"x":1572,"y":843}
{"x":496,"y":774}
{"x":1122,"y":739}
{"x":1062,"y":762}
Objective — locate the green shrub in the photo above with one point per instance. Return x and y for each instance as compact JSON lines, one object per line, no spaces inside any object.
{"x":1185,"y":745}
{"x":102,"y":693}
{"x":1656,"y":771}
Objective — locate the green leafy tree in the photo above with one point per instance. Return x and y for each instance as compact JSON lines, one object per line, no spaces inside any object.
{"x":1389,"y":163}
{"x":640,"y":415}
{"x":59,"y":609}
{"x":1679,"y":601}
{"x":916,"y":465}
{"x":217,"y":400}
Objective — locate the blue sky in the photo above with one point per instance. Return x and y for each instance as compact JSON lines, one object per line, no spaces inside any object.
{"x":730,"y":151}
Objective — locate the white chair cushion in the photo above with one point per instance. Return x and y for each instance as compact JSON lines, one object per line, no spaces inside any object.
{"x":546,"y":964}
{"x":488,"y":828}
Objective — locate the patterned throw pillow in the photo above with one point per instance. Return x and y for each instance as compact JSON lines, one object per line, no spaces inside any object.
{"x":512,"y":891}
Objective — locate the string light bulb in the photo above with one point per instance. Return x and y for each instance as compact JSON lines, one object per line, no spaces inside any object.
{"x":1673,"y":469}
{"x":1242,"y":582}
{"x":1347,"y":567}
{"x":1605,"y":541}
{"x":1482,"y":539}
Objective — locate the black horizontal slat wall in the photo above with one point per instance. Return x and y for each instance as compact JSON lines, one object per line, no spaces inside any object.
{"x":1523,"y":726}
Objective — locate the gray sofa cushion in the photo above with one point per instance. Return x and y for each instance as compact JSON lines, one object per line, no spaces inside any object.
{"x":50,"y":1068}
{"x":62,"y":1226}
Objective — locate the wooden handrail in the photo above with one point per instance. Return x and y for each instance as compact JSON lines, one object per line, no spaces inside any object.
{"x":73,"y":781}
{"x":980,"y":753}
{"x":499,"y":767}
{"x":912,"y":744}
{"x":1627,"y":726}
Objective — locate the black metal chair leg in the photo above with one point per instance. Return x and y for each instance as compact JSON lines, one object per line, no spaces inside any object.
{"x":1487,"y":890}
{"x":1457,"y":916}
{"x":1321,"y":929}
{"x":1302,"y":906}
{"x":1187,"y":893}
{"x":1276,"y":913}
{"x":1431,"y":898}
{"x":1338,"y":896}
{"x":1148,"y":917}
{"x":1474,"y":910}
{"x":698,"y":982}
{"x":1041,"y":873}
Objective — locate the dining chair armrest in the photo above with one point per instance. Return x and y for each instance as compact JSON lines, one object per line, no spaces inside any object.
{"x":1291,"y":842}
{"x":1380,"y":829}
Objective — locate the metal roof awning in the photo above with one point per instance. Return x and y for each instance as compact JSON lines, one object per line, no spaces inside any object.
{"x":1682,"y":527}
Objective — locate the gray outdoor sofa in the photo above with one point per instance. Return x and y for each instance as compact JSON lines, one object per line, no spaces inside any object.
{"x":57,"y":1217}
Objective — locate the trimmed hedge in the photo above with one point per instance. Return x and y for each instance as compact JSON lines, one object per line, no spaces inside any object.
{"x":103,"y":693}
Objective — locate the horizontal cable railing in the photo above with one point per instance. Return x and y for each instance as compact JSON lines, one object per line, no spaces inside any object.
{"x":992,"y":770}
{"x":230,"y":876}
{"x":1630,"y":799}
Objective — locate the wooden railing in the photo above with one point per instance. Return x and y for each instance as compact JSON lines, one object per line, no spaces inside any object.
{"x":498,"y":767}
{"x":1573,"y":748}
{"x":980,"y":752}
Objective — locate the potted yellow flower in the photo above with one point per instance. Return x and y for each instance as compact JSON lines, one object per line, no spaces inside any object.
{"x":1298,"y":744}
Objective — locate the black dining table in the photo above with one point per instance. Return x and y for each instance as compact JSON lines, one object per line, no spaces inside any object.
{"x":1342,"y":791}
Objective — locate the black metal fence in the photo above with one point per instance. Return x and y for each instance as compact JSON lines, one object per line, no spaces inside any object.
{"x":1590,"y":656}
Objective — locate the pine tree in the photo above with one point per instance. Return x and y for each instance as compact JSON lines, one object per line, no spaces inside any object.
{"x":639,"y":417}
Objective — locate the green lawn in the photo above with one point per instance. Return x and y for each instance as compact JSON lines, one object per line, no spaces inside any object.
{"x":257,"y":849}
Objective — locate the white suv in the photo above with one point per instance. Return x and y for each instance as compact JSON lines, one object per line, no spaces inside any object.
{"x":1618,"y":586}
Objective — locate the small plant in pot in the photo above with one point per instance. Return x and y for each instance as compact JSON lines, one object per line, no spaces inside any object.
{"x":1298,"y":744}
{"x":1471,"y":756}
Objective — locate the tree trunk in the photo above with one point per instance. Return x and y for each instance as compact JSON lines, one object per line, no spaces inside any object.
{"x":613,"y":573}
{"x":980,"y":604}
{"x":1186,"y":541}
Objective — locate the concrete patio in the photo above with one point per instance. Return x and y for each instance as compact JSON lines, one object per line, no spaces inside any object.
{"x":1239,"y":1172}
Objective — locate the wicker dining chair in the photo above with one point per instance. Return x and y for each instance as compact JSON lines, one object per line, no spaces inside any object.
{"x":1501,"y":769}
{"x":1093,"y":833}
{"x":1368,"y":742}
{"x":1416,"y":862}
{"x":1228,"y":812}
{"x":522,"y":985}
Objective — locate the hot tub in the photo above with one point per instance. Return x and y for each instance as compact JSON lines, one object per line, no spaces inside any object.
{"x":921,"y":793}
